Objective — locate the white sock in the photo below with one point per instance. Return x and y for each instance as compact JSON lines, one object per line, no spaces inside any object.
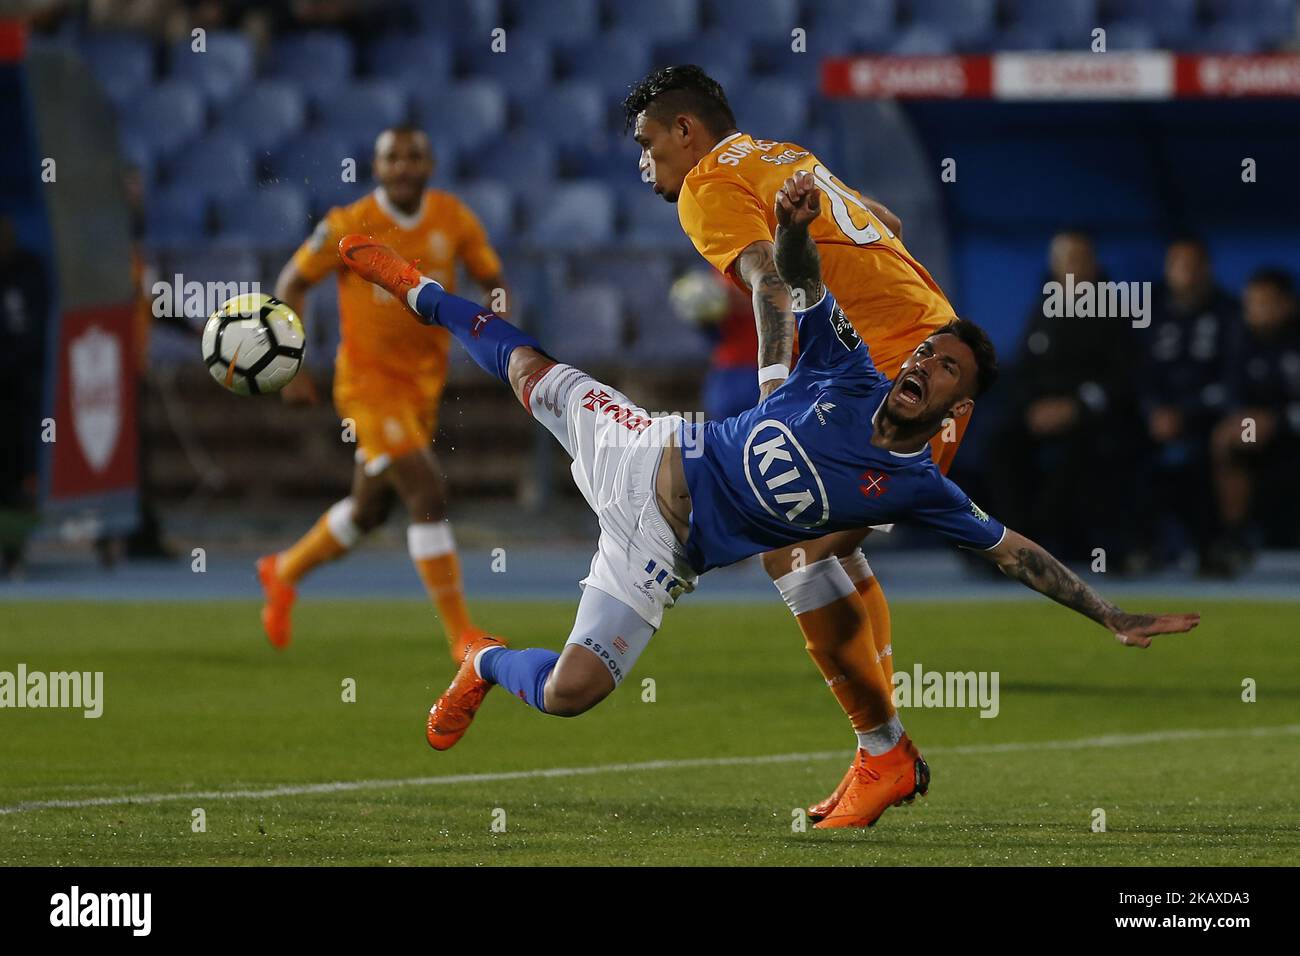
{"x":878,"y":740}
{"x":414,"y":293}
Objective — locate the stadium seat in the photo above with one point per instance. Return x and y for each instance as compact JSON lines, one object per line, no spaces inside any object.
{"x":137,"y":154}
{"x":724,"y":59}
{"x":1172,"y":21}
{"x":314,"y":162}
{"x":165,"y":117}
{"x":1238,"y":38}
{"x":585,"y":324}
{"x":557,"y":19}
{"x":567,"y":111}
{"x":613,"y":63}
{"x":774,"y":59}
{"x":216,"y":166}
{"x":522,"y":160}
{"x":456,"y":17}
{"x":222,"y":69}
{"x":526,"y":64}
{"x":921,"y":40}
{"x":413,"y":61}
{"x":572,"y":216}
{"x":465,"y":114}
{"x":868,"y":23}
{"x":1273,"y":21}
{"x":648,"y":222}
{"x":494,"y":205}
{"x":361,"y":110}
{"x":121,"y":62}
{"x":1130,"y":35}
{"x":174,"y":216}
{"x":1024,"y":38}
{"x":266,"y":219}
{"x":611,"y":158}
{"x":211,"y":263}
{"x":767,"y":19}
{"x":770,"y":109}
{"x":967,"y":23}
{"x":317,"y":61}
{"x":664,"y":20}
{"x":266,"y":115}
{"x":1068,"y":22}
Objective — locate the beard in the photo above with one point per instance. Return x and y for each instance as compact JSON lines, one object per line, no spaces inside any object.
{"x":922,"y":423}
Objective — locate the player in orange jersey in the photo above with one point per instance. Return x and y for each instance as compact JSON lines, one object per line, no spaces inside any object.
{"x":388,"y":379}
{"x":724,"y":183}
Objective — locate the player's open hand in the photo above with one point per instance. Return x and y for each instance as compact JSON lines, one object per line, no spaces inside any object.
{"x":799,"y":201}
{"x":1136,"y":630}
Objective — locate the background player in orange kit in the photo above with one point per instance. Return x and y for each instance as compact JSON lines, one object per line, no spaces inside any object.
{"x":389,"y":377}
{"x":724,"y":183}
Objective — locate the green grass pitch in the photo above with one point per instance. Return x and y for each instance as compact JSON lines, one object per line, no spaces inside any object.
{"x":197,"y":703}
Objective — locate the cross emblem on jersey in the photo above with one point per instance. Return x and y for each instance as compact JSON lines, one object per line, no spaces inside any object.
{"x":873,"y":485}
{"x":594,"y":398}
{"x":480,"y":320}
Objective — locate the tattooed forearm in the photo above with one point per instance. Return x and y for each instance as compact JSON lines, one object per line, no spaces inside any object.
{"x":799,"y":264}
{"x":1033,"y":566}
{"x":772,"y":315}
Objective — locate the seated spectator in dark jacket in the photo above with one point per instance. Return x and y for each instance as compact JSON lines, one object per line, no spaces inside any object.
{"x":1065,"y":455}
{"x":1256,"y":446}
{"x":1182,"y":391}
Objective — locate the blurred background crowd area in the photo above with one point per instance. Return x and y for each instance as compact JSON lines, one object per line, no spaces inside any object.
{"x":1098,"y":434}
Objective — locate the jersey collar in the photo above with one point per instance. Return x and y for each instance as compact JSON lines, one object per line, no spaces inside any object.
{"x":725,"y":140}
{"x":404,"y":220}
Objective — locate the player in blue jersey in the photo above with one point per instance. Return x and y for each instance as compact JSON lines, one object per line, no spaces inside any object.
{"x":837,"y":446}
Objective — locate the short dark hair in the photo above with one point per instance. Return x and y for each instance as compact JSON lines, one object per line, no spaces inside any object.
{"x":978,"y":341}
{"x":1195,"y":240}
{"x":680,"y":89}
{"x":1275,"y":276}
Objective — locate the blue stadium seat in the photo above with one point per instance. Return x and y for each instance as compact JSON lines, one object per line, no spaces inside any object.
{"x":314,"y":162}
{"x":921,"y":40}
{"x":868,"y":23}
{"x":316,"y":61}
{"x":457,"y":17}
{"x":557,"y":19}
{"x":494,"y":204}
{"x":1130,"y":35}
{"x":266,"y":115}
{"x":1228,"y":38}
{"x":770,"y":19}
{"x":776,"y":59}
{"x":269,"y":218}
{"x":611,"y":158}
{"x":1172,"y":21}
{"x":413,"y":61}
{"x":770,"y":109}
{"x":571,"y":216}
{"x":121,"y":62}
{"x":569,"y":111}
{"x":648,"y":222}
{"x":663,"y":20}
{"x":615,"y":63}
{"x":585,"y":323}
{"x":1069,"y":22}
{"x":222,"y":69}
{"x":520,"y":159}
{"x":205,"y":263}
{"x":165,"y":117}
{"x":1274,"y":21}
{"x":361,"y":110}
{"x":175,"y":217}
{"x":1025,"y":38}
{"x":720,"y":56}
{"x":466,"y":114}
{"x":968,"y":23}
{"x":216,"y":166}
{"x":136,"y":153}
{"x":526,"y":64}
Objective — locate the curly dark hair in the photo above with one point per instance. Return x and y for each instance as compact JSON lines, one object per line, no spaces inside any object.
{"x":680,"y":89}
{"x":978,"y":341}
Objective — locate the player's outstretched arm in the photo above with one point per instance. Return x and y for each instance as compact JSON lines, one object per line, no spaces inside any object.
{"x":772,"y":313}
{"x":1029,"y":563}
{"x":798,"y":203}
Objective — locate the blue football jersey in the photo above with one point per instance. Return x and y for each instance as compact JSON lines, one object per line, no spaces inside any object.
{"x":801,"y":464}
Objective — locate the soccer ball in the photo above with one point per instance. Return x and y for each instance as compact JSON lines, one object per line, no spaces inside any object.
{"x":699,"y":298}
{"x":253,"y":344}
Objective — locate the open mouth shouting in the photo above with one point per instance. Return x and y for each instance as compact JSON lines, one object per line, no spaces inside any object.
{"x":911,"y":390}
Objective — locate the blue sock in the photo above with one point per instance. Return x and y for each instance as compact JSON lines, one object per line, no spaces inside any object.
{"x":488,"y":338}
{"x":523,"y":673}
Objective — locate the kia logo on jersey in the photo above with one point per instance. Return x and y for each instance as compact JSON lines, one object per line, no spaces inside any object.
{"x":783,"y":478}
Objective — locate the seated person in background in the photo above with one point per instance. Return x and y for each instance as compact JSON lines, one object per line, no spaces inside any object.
{"x":1255,"y":448}
{"x":1181,"y":394}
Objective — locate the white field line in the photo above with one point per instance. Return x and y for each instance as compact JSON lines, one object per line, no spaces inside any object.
{"x":345,"y":786}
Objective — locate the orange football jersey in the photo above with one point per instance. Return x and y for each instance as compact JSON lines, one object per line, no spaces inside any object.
{"x":728,"y":201}
{"x":376,"y":331}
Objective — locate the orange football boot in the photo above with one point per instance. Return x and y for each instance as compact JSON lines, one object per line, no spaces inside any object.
{"x":461,"y":642}
{"x":280,"y":596}
{"x":820,"y":811}
{"x":880,"y":782}
{"x":379,"y":264}
{"x":450,"y":717}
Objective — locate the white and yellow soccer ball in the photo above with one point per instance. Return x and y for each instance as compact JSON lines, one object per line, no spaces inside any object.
{"x":253,"y":345}
{"x":699,"y":298}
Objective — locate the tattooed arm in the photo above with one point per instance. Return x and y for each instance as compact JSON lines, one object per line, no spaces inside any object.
{"x":798,"y":203}
{"x":772,"y":312}
{"x":1018,"y":557}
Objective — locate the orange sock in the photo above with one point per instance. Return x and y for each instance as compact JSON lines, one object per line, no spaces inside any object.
{"x":836,"y":632}
{"x":331,"y":536}
{"x":434,"y":552}
{"x":873,"y":596}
